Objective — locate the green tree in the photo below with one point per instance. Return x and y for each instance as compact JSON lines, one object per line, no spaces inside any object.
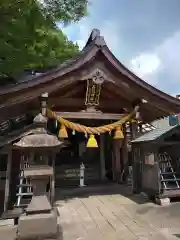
{"x":52,"y":48}
{"x":29,"y":37}
{"x":64,"y":10}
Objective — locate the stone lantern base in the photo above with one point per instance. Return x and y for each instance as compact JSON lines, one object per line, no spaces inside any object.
{"x":40,"y":219}
{"x":38,"y":226}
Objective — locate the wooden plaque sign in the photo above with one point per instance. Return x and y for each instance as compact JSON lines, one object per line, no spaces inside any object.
{"x":92,"y":93}
{"x":149,"y":159}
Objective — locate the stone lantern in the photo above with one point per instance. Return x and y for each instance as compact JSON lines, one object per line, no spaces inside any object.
{"x":40,"y":218}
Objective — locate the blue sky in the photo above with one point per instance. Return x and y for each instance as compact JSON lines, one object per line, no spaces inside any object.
{"x":143,"y":34}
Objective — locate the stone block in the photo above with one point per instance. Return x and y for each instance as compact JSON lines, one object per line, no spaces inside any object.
{"x":163,"y":201}
{"x":38,"y":226}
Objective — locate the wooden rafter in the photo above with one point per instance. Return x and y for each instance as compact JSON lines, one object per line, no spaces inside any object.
{"x":114,"y":96}
{"x":79,"y":102}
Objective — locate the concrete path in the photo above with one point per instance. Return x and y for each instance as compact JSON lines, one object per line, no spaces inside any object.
{"x":106,"y":215}
{"x":110,"y":213}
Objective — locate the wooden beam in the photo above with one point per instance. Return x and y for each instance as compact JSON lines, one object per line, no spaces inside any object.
{"x":90,"y":115}
{"x":79,"y":102}
{"x":77,"y":89}
{"x":102,"y":158}
{"x":167,"y":143}
{"x":65,"y":102}
{"x":110,"y":91}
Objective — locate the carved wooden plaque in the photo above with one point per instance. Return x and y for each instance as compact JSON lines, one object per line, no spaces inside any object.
{"x":92,"y":93}
{"x":94,"y":82}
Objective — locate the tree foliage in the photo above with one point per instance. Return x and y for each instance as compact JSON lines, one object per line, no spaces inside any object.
{"x":29,"y":37}
{"x":64,"y":10}
{"x":52,"y":48}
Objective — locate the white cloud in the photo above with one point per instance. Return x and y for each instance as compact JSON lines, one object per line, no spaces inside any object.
{"x":84,"y":32}
{"x":169,"y":53}
{"x":164,"y":58}
{"x":111,"y":35}
{"x":145,"y":65}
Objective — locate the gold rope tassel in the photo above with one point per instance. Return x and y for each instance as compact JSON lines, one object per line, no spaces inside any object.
{"x":92,"y":143}
{"x":63,"y":132}
{"x":118,"y":133}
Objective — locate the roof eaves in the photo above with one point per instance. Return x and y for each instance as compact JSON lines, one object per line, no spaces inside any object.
{"x":38,"y":79}
{"x":126,"y":72}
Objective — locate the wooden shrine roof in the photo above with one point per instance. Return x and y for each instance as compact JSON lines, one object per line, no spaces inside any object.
{"x":154,"y":134}
{"x":158,"y":134}
{"x":65,"y":85}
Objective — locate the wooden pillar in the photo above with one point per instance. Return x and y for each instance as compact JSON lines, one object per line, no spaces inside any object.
{"x":125,"y":157}
{"x":135,"y":165}
{"x":140,"y":128}
{"x":15,"y":170}
{"x":125,"y":147}
{"x":53,"y":180}
{"x":102,"y":157}
{"x":116,"y":159}
{"x":134,"y":130}
{"x":31,"y":158}
{"x":8,"y":179}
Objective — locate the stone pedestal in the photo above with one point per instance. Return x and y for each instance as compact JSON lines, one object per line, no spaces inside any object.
{"x":40,"y":219}
{"x":38,"y":226}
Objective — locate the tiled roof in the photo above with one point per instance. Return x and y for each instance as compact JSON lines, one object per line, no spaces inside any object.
{"x":154,"y":134}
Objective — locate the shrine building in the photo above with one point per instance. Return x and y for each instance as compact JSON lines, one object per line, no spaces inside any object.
{"x":94,"y":104}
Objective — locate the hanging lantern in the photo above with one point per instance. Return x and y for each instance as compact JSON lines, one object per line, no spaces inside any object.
{"x":92,"y":143}
{"x":63,"y":132}
{"x":118,"y":133}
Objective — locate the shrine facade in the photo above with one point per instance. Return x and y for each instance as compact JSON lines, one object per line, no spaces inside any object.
{"x":91,"y":90}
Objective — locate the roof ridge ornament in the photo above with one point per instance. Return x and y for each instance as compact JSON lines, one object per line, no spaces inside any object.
{"x":96,"y":38}
{"x":95,"y":33}
{"x":98,"y":76}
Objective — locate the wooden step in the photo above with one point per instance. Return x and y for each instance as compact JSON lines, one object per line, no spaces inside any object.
{"x":168,"y":173}
{"x":21,"y":205}
{"x":24,"y":194}
{"x":171,"y":188}
{"x":24,"y":185}
{"x":170,"y":180}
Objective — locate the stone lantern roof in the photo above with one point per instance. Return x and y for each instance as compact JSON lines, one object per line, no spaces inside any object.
{"x":39,"y":138}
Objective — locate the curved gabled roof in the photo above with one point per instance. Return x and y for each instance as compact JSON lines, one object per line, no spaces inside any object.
{"x":94,"y":47}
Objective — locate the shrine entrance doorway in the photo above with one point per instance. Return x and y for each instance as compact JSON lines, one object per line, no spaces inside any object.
{"x":97,"y":161}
